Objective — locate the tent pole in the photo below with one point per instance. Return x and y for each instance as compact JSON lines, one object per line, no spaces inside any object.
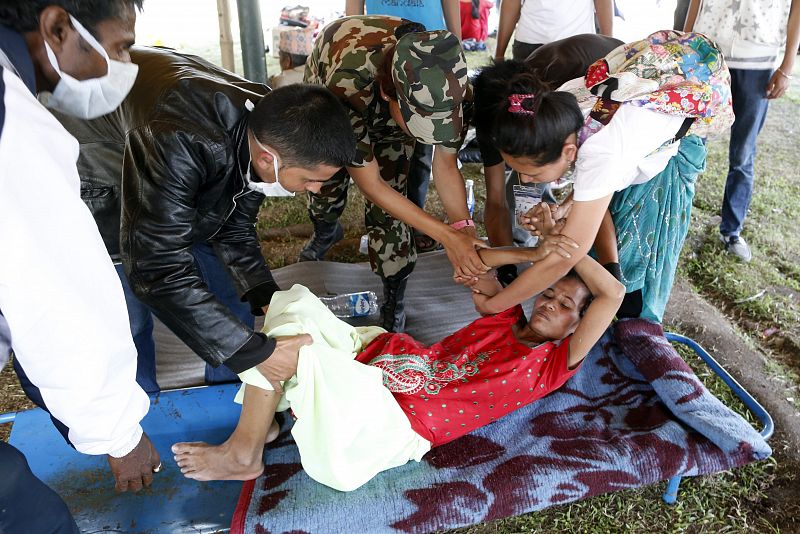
{"x":252,"y":36}
{"x":225,"y":35}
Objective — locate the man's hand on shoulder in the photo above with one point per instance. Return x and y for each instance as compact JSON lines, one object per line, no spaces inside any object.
{"x":282,"y":363}
{"x":134,"y":471}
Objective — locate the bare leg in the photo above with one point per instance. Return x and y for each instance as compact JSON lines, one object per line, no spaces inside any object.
{"x":273,"y":432}
{"x":240,"y":457}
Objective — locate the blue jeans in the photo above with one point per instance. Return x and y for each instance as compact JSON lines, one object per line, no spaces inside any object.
{"x":26,"y":503}
{"x":219,"y":282}
{"x":141,"y":320}
{"x":748,"y":89}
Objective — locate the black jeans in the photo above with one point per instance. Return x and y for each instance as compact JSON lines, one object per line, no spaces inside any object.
{"x":520,"y":51}
{"x":419,"y":175}
{"x":26,"y":503}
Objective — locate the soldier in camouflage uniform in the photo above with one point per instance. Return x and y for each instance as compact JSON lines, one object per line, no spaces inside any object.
{"x":400,"y":85}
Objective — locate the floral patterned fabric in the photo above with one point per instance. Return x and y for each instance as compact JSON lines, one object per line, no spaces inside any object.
{"x":629,"y":418}
{"x":670,"y":72}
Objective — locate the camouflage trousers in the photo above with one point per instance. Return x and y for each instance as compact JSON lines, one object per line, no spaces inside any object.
{"x":391,"y":244}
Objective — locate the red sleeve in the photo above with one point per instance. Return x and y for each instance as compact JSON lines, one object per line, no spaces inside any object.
{"x":511,"y":315}
{"x":556,"y":372}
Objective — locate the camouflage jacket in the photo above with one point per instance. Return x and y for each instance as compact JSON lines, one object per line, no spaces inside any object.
{"x":346,"y":57}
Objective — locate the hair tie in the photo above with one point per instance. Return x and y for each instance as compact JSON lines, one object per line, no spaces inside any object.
{"x":515,"y":103}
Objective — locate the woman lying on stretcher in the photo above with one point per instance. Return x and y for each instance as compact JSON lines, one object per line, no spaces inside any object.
{"x":366,"y":400}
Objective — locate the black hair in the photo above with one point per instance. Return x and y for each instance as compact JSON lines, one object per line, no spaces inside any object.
{"x":306,"y":124}
{"x":538,"y":135}
{"x":490,"y":87}
{"x":589,"y":296}
{"x":23,"y":15}
{"x":476,"y":9}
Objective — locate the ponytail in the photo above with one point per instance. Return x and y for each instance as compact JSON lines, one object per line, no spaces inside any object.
{"x":534,"y":122}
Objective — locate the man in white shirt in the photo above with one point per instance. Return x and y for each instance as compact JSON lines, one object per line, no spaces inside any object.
{"x":60,"y":297}
{"x":539,"y":22}
{"x":751,"y":34}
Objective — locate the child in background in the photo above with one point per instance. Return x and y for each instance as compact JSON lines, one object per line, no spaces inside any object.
{"x":474,"y":24}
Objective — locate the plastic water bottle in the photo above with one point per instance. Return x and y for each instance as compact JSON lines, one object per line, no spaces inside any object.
{"x":470,"y":185}
{"x":352,"y":304}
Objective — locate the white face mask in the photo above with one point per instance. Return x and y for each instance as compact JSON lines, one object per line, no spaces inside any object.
{"x":269,"y":189}
{"x":89,"y":99}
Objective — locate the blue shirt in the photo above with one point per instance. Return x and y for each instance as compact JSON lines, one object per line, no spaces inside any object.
{"x":426,"y":12}
{"x":13,"y":45}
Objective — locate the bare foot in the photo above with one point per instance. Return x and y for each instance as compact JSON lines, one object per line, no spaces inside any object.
{"x":273,"y":432}
{"x":204,"y":462}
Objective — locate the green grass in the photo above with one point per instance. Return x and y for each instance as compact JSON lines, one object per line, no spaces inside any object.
{"x":763,"y":296}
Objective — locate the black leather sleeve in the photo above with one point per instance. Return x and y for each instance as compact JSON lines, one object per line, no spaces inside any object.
{"x":237,"y":245}
{"x":164,"y":168}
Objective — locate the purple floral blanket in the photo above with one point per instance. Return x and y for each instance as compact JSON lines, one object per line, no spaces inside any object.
{"x":633,"y":415}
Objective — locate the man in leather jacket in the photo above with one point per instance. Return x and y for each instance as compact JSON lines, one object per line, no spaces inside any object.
{"x":189,"y":156}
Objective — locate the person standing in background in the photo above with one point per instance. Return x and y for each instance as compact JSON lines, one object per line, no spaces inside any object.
{"x":475,"y":23}
{"x":750,"y":33}
{"x":434,"y":15}
{"x":401,"y":85}
{"x":679,"y":17}
{"x":294,"y":47}
{"x":62,"y":309}
{"x":539,"y":22}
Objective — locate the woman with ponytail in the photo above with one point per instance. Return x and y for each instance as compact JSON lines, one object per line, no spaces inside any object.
{"x":550,"y":66}
{"x":629,"y":132}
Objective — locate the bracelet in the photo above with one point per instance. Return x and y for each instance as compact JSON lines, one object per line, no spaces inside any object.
{"x":787,"y":76}
{"x":465,"y":223}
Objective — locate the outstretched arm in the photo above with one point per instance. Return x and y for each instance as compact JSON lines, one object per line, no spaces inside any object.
{"x":582,"y":226}
{"x":608,"y":295}
{"x":353,"y":7}
{"x":605,"y":244}
{"x":460,"y":247}
{"x":604,"y":9}
{"x":509,"y":15}
{"x":560,"y":244}
{"x":452,"y":16}
{"x":780,"y":80}
{"x":496,"y":216}
{"x":691,"y":15}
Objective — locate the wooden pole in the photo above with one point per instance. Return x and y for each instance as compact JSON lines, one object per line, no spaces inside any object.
{"x":225,"y":35}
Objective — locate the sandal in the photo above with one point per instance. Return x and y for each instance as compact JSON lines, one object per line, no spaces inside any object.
{"x":426,"y":243}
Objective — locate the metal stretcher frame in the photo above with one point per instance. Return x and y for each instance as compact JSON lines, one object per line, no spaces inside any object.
{"x":671,"y":493}
{"x":226,"y":414}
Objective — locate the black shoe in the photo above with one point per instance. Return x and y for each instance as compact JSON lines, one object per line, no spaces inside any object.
{"x":324,"y":237}
{"x":393,"y":314}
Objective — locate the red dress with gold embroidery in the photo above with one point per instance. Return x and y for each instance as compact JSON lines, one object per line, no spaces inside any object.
{"x":469,"y":379}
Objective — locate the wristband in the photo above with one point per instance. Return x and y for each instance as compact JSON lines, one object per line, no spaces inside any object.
{"x":787,"y":76}
{"x":465,"y":223}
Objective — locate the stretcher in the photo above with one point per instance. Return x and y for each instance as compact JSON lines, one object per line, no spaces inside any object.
{"x":175,"y":504}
